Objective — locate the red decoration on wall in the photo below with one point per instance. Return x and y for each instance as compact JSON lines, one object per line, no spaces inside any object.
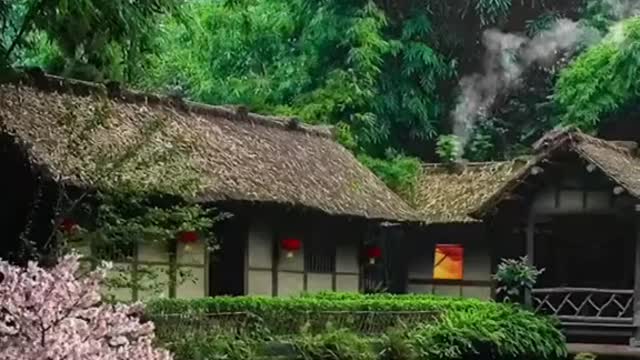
{"x":188,"y":237}
{"x":452,"y":251}
{"x":291,"y":246}
{"x":68,"y":225}
{"x":374,"y":253}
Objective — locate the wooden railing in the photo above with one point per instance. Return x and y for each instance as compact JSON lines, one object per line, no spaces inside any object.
{"x":573,"y":305}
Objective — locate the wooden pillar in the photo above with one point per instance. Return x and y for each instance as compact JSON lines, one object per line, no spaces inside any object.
{"x":530,"y":250}
{"x":635,"y":340}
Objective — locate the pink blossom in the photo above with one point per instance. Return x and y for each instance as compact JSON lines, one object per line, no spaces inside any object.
{"x":57,"y":314}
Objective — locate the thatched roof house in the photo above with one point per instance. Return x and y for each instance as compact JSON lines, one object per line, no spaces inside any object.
{"x":571,"y":207}
{"x":235,"y":155}
{"x":284,"y":182}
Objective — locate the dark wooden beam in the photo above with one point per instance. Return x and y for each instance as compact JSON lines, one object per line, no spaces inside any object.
{"x":530,"y":249}
{"x":635,"y":340}
{"x":604,"y":350}
{"x":479,"y":283}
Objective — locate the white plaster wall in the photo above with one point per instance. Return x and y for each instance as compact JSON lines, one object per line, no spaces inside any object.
{"x":478,"y":292}
{"x":153,"y":252}
{"x":347,"y":258}
{"x":570,"y":201}
{"x":260,"y":282}
{"x":193,"y":285}
{"x":347,"y":283}
{"x":319,"y":282}
{"x":156,"y":285}
{"x":290,"y":284}
{"x":447,"y":290}
{"x":295,"y":263}
{"x":419,"y":288}
{"x":598,"y":200}
{"x":545,"y":199}
{"x":260,"y":245}
{"x":119,"y":271}
{"x":195,"y":255}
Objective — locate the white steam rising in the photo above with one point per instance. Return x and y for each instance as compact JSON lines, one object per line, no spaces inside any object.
{"x":622,"y":9}
{"x":508,"y":56}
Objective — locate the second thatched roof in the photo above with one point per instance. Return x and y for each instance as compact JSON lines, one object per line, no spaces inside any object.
{"x":446,"y":194}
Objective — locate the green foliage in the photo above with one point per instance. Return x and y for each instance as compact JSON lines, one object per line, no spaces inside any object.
{"x":400,"y":173}
{"x":396,"y":344}
{"x":384,"y":73}
{"x":466,"y":328}
{"x":492,"y":10}
{"x":498,"y":333}
{"x":541,"y":23}
{"x":91,"y":39}
{"x":290,"y":310}
{"x":340,"y":63}
{"x":602,"y":79}
{"x":514,"y":277}
{"x":585,"y":356}
{"x":219,"y":346}
{"x":449,"y":149}
{"x":334,"y":345}
{"x":481,"y":145}
{"x":134,"y":218}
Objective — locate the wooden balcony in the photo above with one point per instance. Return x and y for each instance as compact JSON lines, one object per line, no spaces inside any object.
{"x":588,"y":311}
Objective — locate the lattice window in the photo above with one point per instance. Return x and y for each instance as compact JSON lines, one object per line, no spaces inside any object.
{"x":319,"y":258}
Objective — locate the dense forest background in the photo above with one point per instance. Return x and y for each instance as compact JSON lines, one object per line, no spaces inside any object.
{"x":402,"y":81}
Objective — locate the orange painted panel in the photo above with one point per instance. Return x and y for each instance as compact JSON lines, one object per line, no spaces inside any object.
{"x":448,"y":262}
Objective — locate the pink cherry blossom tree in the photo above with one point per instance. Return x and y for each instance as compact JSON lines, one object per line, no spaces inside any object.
{"x":57,"y":313}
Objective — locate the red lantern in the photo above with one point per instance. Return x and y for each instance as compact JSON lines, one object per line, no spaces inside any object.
{"x":188,"y":238}
{"x":68,"y":226}
{"x":291,"y":246}
{"x":374,"y":253}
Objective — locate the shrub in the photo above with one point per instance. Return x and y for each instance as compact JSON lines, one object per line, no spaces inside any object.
{"x":334,"y":345}
{"x":515,"y":277}
{"x":449,"y":148}
{"x":462,"y":329}
{"x":396,"y":345}
{"x":505,"y":332}
{"x":58,"y":314}
{"x":195,"y":347}
{"x":269,"y":308}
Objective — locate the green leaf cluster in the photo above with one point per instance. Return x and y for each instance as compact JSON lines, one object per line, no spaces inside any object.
{"x":515,"y":276}
{"x":602,"y":79}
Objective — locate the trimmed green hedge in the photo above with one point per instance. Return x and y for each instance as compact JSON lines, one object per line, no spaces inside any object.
{"x":268,"y":307}
{"x":463,"y":329}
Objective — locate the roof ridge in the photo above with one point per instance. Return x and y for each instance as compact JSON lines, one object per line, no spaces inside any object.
{"x":469,"y":164}
{"x":612,"y":144}
{"x":558,"y":136}
{"x":473,"y":166}
{"x":35,"y":77}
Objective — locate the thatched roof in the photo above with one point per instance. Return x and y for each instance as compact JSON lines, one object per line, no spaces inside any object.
{"x":616,"y":160}
{"x":235,"y":155}
{"x":448,"y":194}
